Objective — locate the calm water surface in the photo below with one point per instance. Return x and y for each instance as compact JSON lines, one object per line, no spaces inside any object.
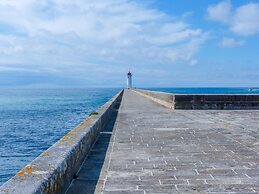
{"x":31,"y":120}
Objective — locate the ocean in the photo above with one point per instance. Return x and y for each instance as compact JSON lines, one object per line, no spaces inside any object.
{"x":31,"y":120}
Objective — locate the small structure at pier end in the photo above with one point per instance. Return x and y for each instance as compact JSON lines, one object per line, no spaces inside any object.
{"x":129,"y":80}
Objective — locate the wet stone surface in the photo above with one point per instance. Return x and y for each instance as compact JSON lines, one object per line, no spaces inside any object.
{"x":153,"y":149}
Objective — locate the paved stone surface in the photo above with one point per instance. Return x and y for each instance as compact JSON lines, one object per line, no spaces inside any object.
{"x":91,"y":176}
{"x":157,"y":150}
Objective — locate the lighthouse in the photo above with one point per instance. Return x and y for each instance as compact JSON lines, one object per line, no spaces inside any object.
{"x":129,"y":80}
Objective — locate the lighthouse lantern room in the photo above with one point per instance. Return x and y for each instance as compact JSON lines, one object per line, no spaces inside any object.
{"x":129,"y":80}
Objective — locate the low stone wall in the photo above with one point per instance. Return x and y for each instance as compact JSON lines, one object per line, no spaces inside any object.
{"x":165,"y":99}
{"x":203,"y":101}
{"x":217,"y":102}
{"x":53,"y":171}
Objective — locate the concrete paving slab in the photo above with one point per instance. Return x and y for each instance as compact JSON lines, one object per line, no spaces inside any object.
{"x":158,"y":150}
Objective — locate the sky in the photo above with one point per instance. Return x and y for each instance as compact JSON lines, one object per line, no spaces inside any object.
{"x":165,"y":43}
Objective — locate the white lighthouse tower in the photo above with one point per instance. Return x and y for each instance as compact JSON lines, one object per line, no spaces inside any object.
{"x":129,"y":80}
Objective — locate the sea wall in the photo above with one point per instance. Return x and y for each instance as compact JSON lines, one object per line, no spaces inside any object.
{"x":203,"y":101}
{"x":165,"y":99}
{"x":53,"y":171}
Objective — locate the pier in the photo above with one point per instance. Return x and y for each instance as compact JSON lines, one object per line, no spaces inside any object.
{"x":147,"y":142}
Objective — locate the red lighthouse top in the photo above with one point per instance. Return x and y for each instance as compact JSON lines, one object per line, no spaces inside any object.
{"x":129,"y":73}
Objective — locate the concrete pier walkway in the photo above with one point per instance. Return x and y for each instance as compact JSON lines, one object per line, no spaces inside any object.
{"x":147,"y":148}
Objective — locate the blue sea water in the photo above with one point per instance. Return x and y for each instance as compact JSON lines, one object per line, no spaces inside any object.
{"x":31,"y":120}
{"x":243,"y":90}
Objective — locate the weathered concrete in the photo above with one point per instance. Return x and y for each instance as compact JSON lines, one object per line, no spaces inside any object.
{"x":203,"y":101}
{"x":91,"y":176}
{"x":165,"y":99}
{"x":158,"y":150}
{"x":53,"y":171}
{"x":147,"y":148}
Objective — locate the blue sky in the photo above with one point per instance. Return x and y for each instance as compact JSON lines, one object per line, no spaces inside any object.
{"x":165,"y":43}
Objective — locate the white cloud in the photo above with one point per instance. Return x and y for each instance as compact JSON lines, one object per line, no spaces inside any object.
{"x":231,"y":43}
{"x":246,"y":20}
{"x":220,"y":12}
{"x":65,"y":34}
{"x":242,"y":20}
{"x":194,"y":62}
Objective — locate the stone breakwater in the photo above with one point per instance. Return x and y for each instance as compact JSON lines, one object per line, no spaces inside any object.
{"x":203,"y":101}
{"x":135,"y":145}
{"x":54,"y":169}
